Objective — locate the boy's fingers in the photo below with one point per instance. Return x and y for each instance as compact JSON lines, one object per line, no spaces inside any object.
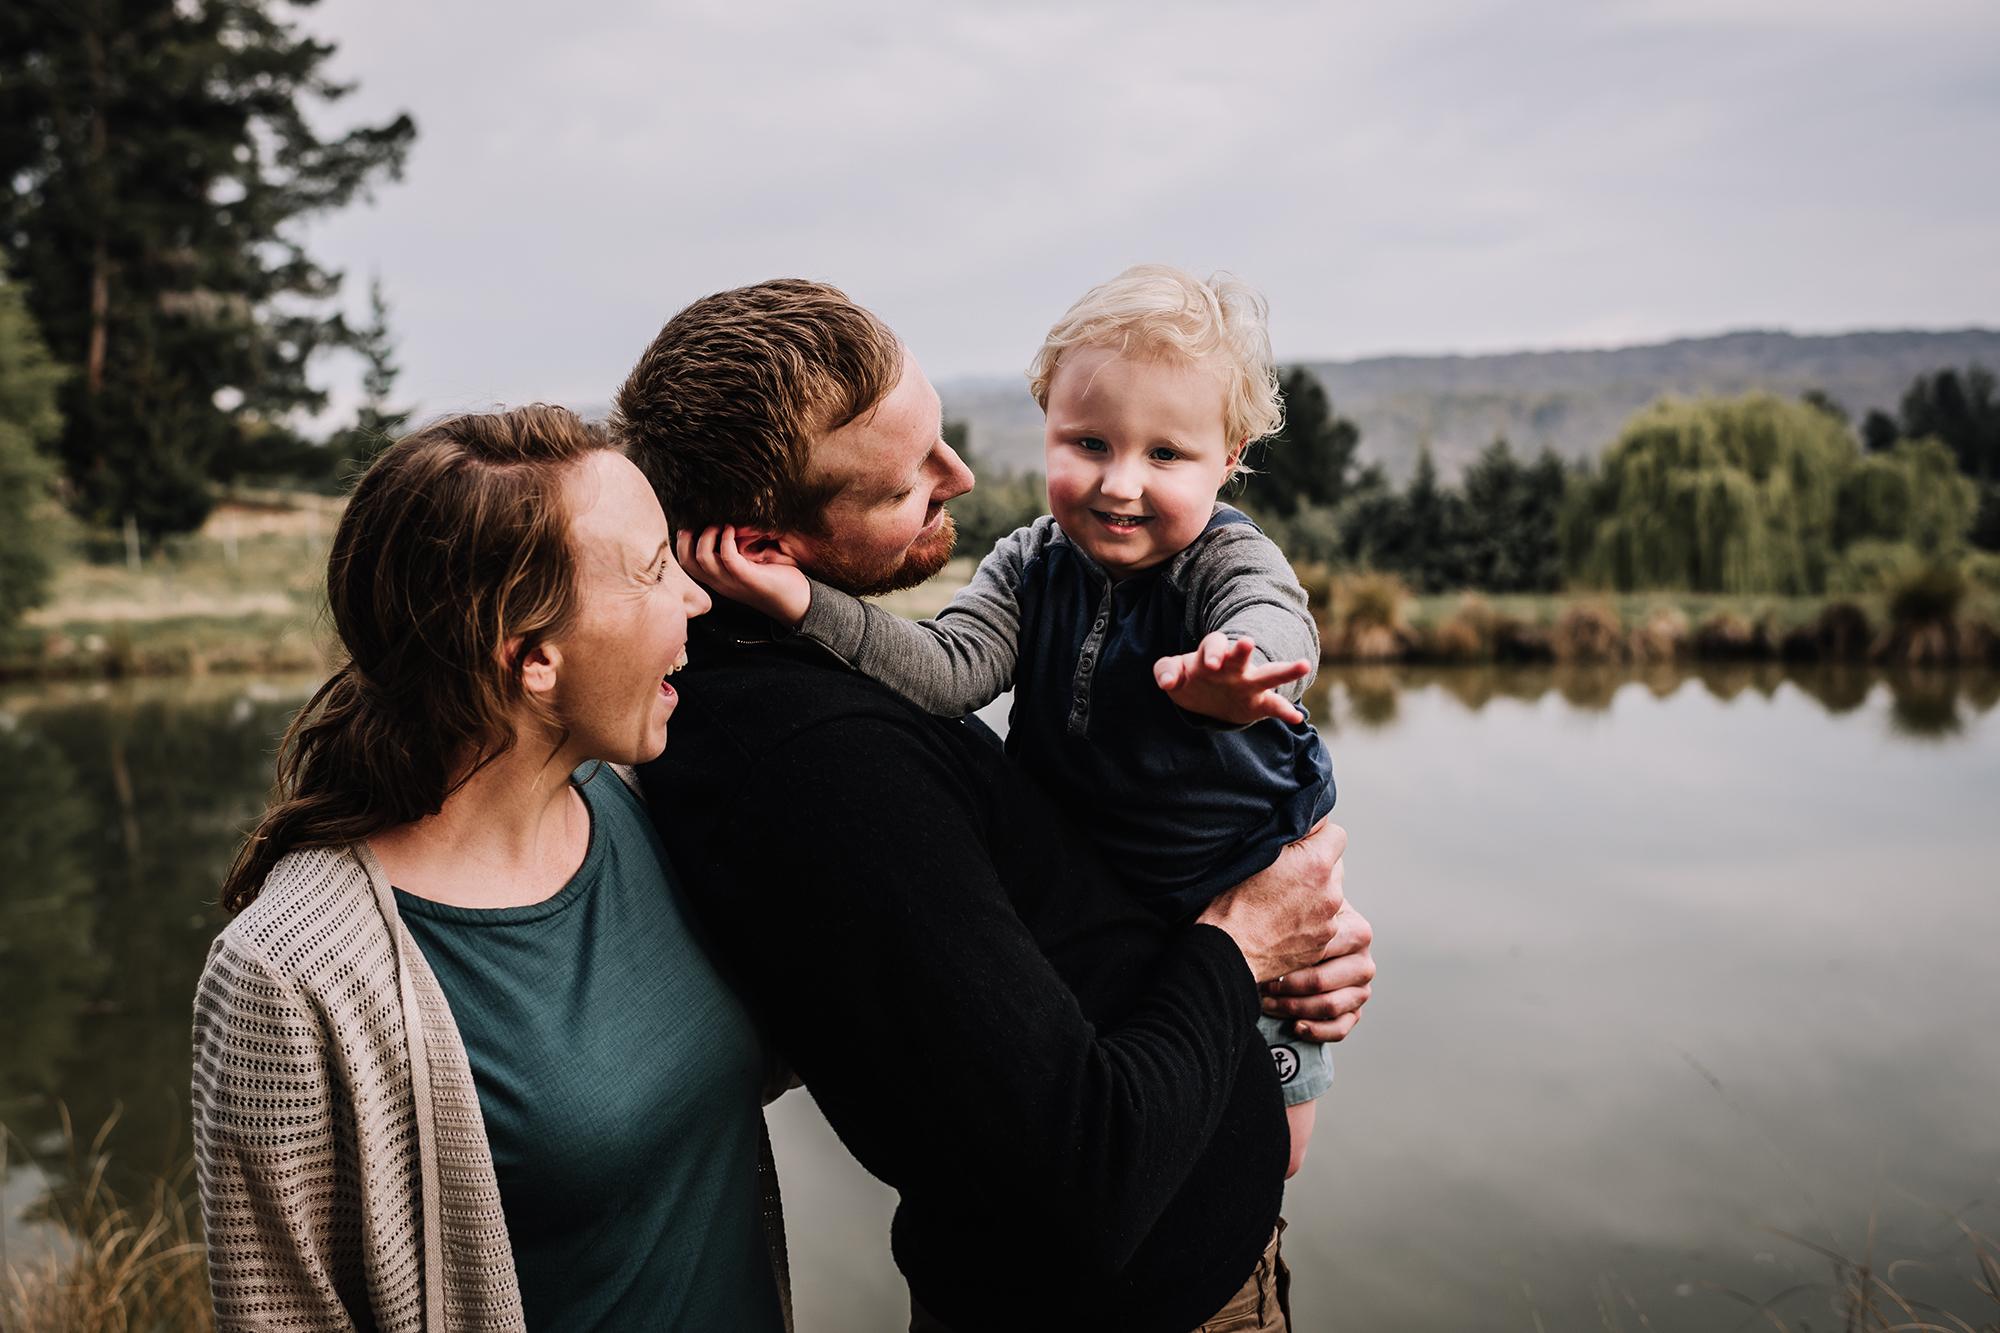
{"x":1277,"y":673}
{"x":1273,"y":704}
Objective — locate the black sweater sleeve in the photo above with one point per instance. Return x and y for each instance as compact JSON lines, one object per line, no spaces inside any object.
{"x":882,"y":949}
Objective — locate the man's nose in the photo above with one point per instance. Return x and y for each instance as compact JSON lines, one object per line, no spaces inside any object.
{"x":957,"y":476}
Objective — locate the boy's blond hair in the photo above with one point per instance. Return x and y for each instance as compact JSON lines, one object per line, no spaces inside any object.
{"x":1162,"y":310}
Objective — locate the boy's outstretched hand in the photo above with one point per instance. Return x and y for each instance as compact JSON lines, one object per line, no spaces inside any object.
{"x":1220,"y":679}
{"x":762,"y":577}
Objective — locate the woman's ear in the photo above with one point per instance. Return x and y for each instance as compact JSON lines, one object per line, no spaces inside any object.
{"x":539,"y":667}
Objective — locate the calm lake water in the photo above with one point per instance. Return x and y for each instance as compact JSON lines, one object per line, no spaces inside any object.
{"x":1671,"y":966}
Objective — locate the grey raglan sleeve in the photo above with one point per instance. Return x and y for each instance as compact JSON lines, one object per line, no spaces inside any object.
{"x":962,"y":660}
{"x":1242,"y":584}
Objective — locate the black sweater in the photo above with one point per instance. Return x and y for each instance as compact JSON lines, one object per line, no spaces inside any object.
{"x":1070,"y":1097}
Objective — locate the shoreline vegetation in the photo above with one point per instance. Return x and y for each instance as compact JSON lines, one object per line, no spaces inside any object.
{"x":243,"y":595}
{"x":125,"y":1264}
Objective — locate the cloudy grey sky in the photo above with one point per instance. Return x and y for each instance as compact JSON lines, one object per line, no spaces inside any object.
{"x":1420,"y":175}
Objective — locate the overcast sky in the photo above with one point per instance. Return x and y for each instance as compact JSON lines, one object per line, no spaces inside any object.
{"x":1418,"y":175}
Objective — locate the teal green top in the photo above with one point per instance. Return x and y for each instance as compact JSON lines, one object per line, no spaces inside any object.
{"x":621,"y":1084}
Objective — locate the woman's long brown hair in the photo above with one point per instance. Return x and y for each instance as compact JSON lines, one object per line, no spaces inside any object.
{"x":451,"y":563}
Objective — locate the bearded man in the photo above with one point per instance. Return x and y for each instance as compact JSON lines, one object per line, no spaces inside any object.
{"x":1069,"y":1096}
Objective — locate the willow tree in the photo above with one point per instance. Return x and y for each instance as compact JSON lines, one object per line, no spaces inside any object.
{"x":1913,"y":495}
{"x":1731,"y":495}
{"x":161,"y":156}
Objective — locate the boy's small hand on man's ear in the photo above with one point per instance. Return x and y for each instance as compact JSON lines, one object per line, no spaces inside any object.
{"x":1221,"y":679}
{"x":766,"y":579}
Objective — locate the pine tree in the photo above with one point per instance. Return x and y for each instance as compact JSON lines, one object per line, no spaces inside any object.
{"x":1310,"y":459}
{"x":28,"y":381}
{"x":161,"y":160}
{"x":376,"y":424}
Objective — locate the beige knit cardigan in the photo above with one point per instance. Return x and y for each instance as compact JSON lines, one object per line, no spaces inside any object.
{"x":342,"y":1159}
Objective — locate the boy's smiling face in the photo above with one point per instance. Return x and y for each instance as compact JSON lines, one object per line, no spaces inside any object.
{"x":1135,"y":452}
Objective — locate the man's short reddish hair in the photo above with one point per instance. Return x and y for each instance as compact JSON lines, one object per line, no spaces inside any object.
{"x":721,"y":411}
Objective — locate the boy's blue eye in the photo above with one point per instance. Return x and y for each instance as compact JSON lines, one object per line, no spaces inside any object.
{"x":1164,"y":455}
{"x":1091,"y":443}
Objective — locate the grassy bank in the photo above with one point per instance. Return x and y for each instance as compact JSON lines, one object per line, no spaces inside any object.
{"x":244,"y":595}
{"x":1928,"y":618}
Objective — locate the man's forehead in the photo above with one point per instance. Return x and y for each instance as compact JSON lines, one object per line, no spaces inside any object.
{"x":894,"y":435}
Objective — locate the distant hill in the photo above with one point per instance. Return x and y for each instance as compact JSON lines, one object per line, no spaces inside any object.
{"x":1573,"y":401}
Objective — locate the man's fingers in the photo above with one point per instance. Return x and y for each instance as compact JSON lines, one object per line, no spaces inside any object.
{"x":1354,"y":969}
{"x":1172,"y":671}
{"x":1334,"y":1004}
{"x":1336,"y":1030}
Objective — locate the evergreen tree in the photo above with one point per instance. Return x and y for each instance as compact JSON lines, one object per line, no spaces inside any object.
{"x":999,"y":501}
{"x":376,"y":424}
{"x":1963,"y":412}
{"x":1309,"y":460}
{"x":1879,"y":432}
{"x":1539,"y":551}
{"x":28,"y":383}
{"x":161,"y":158}
{"x":1509,"y":515}
{"x":1495,"y":502}
{"x":1825,"y":402}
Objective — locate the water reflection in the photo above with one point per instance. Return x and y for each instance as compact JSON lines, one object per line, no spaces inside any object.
{"x":119,"y":810}
{"x":1646,"y":989}
{"x":1923,"y":704}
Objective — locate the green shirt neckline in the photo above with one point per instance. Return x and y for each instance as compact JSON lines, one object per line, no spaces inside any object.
{"x":571,"y":892}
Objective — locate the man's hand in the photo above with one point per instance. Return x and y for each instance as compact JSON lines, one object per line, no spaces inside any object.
{"x":1286,"y":916}
{"x":764,"y":578}
{"x":1220,"y":680}
{"x":1325,"y":999}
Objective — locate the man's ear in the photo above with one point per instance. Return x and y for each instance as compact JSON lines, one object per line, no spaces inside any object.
{"x":539,"y":666}
{"x":768,"y":546}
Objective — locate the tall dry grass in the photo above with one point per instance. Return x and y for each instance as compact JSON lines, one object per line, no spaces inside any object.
{"x":1863,"y":1296}
{"x":120,"y":1266}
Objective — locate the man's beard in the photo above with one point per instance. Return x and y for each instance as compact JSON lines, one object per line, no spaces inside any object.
{"x":925,"y":557}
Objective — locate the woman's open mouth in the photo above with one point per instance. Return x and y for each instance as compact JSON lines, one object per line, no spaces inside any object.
{"x":679,"y":662}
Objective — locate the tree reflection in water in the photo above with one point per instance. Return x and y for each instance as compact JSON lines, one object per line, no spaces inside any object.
{"x":119,"y":811}
{"x":1924,"y":705}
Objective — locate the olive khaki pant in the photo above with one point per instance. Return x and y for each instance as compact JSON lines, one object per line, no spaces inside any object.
{"x":1264,"y":1305}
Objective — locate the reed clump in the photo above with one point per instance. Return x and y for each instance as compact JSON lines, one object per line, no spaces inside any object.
{"x":120,"y":1266}
{"x":1927,"y":623}
{"x":1663,"y":636}
{"x":1371,"y":618}
{"x":1588,"y":632}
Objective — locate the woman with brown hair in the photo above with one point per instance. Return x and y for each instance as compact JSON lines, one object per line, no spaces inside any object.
{"x":460,"y":1062}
